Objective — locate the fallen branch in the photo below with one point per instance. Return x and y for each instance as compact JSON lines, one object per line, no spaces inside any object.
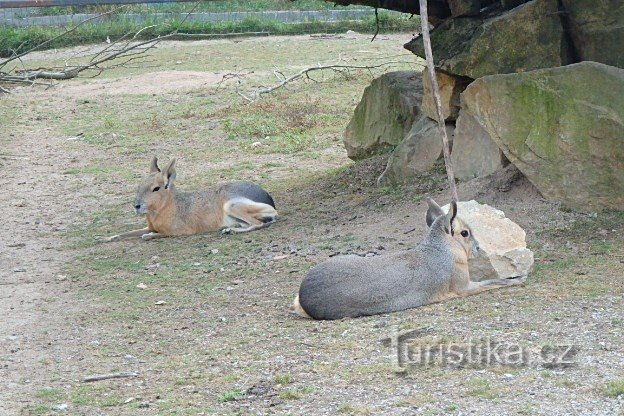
{"x":340,"y":68}
{"x":436,"y":95}
{"x":127,"y":49}
{"x":123,"y":374}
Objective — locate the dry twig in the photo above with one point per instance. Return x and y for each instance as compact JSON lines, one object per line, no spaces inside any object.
{"x":100,"y":377}
{"x":305,"y":73}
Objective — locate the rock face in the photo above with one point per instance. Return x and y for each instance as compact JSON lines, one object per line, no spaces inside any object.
{"x":527,"y":37}
{"x":450,"y":88}
{"x":464,"y":7}
{"x":416,"y":154}
{"x":562,"y":127}
{"x":502,"y":242}
{"x":474,"y":154}
{"x":597,"y":30}
{"x":389,"y":107}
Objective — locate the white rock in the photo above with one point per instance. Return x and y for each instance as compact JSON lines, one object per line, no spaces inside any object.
{"x":502,"y":242}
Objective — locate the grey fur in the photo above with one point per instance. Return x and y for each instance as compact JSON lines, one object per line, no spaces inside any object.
{"x":350,"y":286}
{"x":249,"y":190}
{"x":437,"y":269}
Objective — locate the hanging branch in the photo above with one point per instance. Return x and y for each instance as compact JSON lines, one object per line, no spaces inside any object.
{"x":424,"y":22}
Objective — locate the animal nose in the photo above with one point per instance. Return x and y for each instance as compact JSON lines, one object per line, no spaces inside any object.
{"x":137,"y":206}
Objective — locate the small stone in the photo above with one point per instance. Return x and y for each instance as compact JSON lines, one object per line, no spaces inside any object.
{"x":280,"y":257}
{"x":141,"y":286}
{"x":60,"y":406}
{"x":214,"y":251}
{"x":229,"y":288}
{"x":19,"y":269}
{"x":160,"y":302}
{"x":61,"y":277}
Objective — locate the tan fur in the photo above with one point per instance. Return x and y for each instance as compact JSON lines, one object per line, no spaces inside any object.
{"x":170,"y":212}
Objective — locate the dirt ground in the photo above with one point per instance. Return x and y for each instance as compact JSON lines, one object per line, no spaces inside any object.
{"x":203,"y":322}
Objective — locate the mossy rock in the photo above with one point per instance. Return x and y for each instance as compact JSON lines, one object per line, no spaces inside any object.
{"x":597,"y":29}
{"x":385,"y":114}
{"x":527,"y":37}
{"x":562,"y":127}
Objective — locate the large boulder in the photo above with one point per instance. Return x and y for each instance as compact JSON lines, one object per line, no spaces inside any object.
{"x":502,"y":242}
{"x":450,"y":89}
{"x":562,"y":127}
{"x":464,"y":7}
{"x":385,"y":114}
{"x":416,"y":154}
{"x":597,"y":29}
{"x":474,"y":154}
{"x":527,"y":37}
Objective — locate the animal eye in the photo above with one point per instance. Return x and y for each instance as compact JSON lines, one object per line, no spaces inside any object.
{"x":156,"y":189}
{"x":464,"y":233}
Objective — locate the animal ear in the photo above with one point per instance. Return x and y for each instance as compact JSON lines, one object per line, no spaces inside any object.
{"x":448,"y":219}
{"x":433,"y":212}
{"x":169,"y":173}
{"x":154,"y":165}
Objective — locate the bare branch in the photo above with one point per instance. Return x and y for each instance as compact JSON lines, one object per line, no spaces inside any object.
{"x":343,"y":69}
{"x":3,"y":63}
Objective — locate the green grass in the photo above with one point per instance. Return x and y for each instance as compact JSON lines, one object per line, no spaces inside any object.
{"x":614,"y":388}
{"x":481,"y":387}
{"x":17,"y":40}
{"x":231,"y":395}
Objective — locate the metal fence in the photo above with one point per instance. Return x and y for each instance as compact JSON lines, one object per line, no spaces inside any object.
{"x":27,"y":13}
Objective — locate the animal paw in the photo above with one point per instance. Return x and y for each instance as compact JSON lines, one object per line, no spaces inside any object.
{"x":226,"y":231}
{"x":148,"y":236}
{"x":110,"y":239}
{"x":517,"y":280}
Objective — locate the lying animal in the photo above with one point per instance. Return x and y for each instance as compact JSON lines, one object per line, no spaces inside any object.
{"x":436,"y":270}
{"x":234,"y":207}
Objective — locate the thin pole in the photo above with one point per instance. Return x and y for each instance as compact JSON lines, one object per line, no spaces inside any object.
{"x":424,"y":22}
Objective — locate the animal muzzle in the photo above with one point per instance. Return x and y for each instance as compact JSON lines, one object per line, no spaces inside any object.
{"x":475,"y":250}
{"x":140,"y":209}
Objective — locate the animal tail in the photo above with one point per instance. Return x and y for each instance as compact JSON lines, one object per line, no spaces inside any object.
{"x":299,"y":310}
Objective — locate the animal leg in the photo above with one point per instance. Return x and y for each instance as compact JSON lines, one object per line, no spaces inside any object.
{"x":255,"y":214}
{"x":152,"y":236}
{"x":477,"y":287}
{"x":133,"y":233}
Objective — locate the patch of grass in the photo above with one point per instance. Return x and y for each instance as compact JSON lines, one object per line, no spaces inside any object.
{"x":36,"y":410}
{"x":614,"y":388}
{"x":481,"y":387}
{"x":283,"y":379}
{"x":352,"y":409}
{"x":231,"y":395}
{"x":49,"y":393}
